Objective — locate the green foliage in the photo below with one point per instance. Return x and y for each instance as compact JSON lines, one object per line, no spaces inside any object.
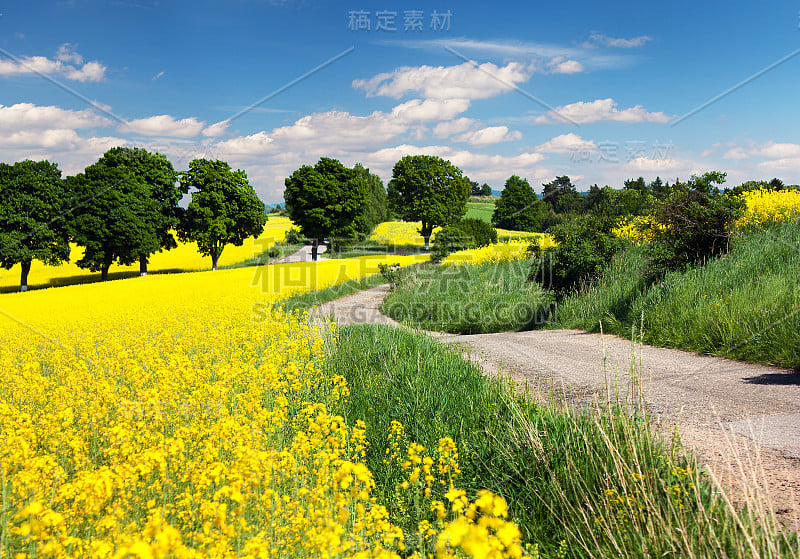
{"x":126,"y":205}
{"x":693,"y":224}
{"x":518,"y":208}
{"x":376,"y":209}
{"x":224,"y":208}
{"x":294,"y":237}
{"x":736,"y":306}
{"x":486,"y":190}
{"x":449,"y":239}
{"x":481,"y":232}
{"x":33,"y":202}
{"x":610,"y":203}
{"x":428,"y":189}
{"x":584,"y":247}
{"x":562,"y":196}
{"x":330,"y":200}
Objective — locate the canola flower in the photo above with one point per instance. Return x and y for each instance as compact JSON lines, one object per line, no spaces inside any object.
{"x":407,"y":233}
{"x":181,"y":415}
{"x":768,"y":207}
{"x":184,"y":258}
{"x":498,"y":252}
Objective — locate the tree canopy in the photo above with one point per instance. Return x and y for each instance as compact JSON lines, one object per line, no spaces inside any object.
{"x":224,"y":208}
{"x":33,"y":202}
{"x":562,"y":195}
{"x":119,"y":212}
{"x":429,"y":189}
{"x":330,"y":200}
{"x":518,"y":207}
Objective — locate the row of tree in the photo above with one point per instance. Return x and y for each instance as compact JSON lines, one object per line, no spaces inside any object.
{"x":121,"y":209}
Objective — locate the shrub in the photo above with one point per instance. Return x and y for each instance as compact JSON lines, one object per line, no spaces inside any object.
{"x":483,"y":233}
{"x":450,"y":238}
{"x":584,"y":247}
{"x":693,"y":224}
{"x":294,"y":237}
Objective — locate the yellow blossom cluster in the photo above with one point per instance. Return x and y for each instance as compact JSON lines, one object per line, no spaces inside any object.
{"x":164,"y":417}
{"x":499,"y":252}
{"x":407,"y":233}
{"x":768,"y":207}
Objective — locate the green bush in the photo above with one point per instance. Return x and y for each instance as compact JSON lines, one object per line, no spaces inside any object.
{"x":294,"y":237}
{"x":482,"y":233}
{"x":584,"y":247}
{"x":448,"y":239}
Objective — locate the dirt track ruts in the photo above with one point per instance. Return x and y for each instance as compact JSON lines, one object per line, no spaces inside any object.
{"x":742,"y":420}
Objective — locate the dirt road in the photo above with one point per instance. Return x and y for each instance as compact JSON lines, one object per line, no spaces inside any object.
{"x":739,"y":418}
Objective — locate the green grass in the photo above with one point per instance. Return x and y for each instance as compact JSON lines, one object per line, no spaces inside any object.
{"x":479,"y":208}
{"x":468,"y":299}
{"x":744,"y":305}
{"x":600,"y":481}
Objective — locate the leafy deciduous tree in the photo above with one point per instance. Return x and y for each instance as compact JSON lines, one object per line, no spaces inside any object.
{"x":518,"y":207}
{"x":224,"y":208}
{"x":32,"y":203}
{"x":429,"y":189}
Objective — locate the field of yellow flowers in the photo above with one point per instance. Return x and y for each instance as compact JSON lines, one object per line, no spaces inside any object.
{"x":185,"y":258}
{"x":407,"y":233}
{"x":182,"y":415}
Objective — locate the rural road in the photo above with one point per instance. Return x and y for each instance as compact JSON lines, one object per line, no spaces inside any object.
{"x":302,"y":255}
{"x":737,"y":417}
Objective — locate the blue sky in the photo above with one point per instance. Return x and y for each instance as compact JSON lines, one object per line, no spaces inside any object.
{"x":537,"y":89}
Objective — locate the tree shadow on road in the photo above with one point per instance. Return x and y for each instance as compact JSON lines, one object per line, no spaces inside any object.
{"x":791,"y":378}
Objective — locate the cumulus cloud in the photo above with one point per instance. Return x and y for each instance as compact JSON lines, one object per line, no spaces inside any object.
{"x":559,"y":65}
{"x":30,"y":117}
{"x":66,"y":63}
{"x":164,"y":125}
{"x":450,"y":127}
{"x":216,"y":129}
{"x":465,"y":81}
{"x":567,"y":143}
{"x":489,"y":135}
{"x":602,"y":109}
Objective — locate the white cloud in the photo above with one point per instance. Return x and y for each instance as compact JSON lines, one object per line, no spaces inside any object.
{"x":790,"y":164}
{"x":450,"y":127}
{"x":646,"y":164}
{"x":599,"y":39}
{"x":216,"y":129}
{"x":164,"y":125}
{"x":602,"y":109}
{"x":160,"y":74}
{"x":465,"y":81}
{"x":567,"y":67}
{"x":430,"y":109}
{"x":772,"y":150}
{"x":567,"y":143}
{"x":30,"y":117}
{"x":66,"y":63}
{"x":489,"y":135}
{"x":735,"y":153}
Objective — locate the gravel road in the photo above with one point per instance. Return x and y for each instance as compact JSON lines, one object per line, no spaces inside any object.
{"x":739,"y":418}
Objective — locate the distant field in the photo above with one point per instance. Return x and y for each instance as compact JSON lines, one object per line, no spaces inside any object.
{"x":480,"y":210}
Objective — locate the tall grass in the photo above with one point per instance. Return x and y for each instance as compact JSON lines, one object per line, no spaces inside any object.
{"x":468,"y":299}
{"x":595,"y":481}
{"x":745,"y":305}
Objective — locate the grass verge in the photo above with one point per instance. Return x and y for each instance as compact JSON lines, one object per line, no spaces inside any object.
{"x":468,"y":299}
{"x":305,"y":301}
{"x":590,"y":484}
{"x":744,"y":305}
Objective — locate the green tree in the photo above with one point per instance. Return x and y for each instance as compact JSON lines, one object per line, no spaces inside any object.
{"x":224,"y":208}
{"x":33,"y":202}
{"x":475,"y":189}
{"x":376,"y":210}
{"x":123,"y":210}
{"x":518,"y":208}
{"x":328,"y":200}
{"x":562,"y":195}
{"x":429,"y":189}
{"x":486,"y":190}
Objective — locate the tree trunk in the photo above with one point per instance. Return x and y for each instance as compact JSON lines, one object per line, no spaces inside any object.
{"x":104,"y":272}
{"x":23,"y":282}
{"x":142,"y":265}
{"x":314,"y":249}
{"x":214,"y":260}
{"x":426,"y":231}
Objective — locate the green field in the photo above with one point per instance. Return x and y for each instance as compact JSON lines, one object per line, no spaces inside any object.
{"x":480,"y":209}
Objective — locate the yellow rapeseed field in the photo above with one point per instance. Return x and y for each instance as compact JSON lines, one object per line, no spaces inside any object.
{"x":185,"y":258}
{"x":407,"y":233}
{"x":181,"y":416}
{"x":499,"y":252}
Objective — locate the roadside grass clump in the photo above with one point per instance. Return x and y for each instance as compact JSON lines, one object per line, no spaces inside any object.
{"x":578,"y":483}
{"x":738,"y":306}
{"x":468,"y":299}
